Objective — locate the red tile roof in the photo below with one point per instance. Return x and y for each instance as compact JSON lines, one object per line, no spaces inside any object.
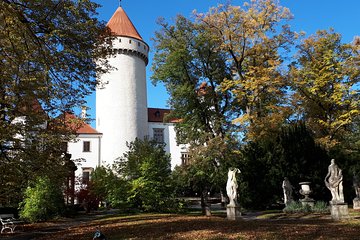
{"x":78,"y":124}
{"x":30,"y":105}
{"x":159,"y":114}
{"x":121,"y":25}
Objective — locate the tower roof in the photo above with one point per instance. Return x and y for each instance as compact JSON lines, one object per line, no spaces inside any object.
{"x":121,"y":25}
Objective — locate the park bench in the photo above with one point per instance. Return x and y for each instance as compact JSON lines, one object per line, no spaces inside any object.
{"x":8,"y":221}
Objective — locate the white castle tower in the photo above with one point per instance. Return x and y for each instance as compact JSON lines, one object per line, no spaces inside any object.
{"x":121,"y":103}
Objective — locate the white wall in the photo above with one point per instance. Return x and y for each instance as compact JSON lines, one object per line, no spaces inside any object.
{"x":121,"y":104}
{"x":85,"y":159}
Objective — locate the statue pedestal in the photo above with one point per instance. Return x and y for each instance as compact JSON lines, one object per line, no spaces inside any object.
{"x":307,"y":201}
{"x":339,"y":211}
{"x":233,"y":212}
{"x":356,"y":203}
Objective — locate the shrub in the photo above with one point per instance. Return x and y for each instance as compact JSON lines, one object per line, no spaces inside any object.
{"x":42,"y":201}
{"x":110,"y":187}
{"x":298,"y":207}
{"x":294,"y":207}
{"x":321,"y":207}
{"x":88,"y":201}
{"x":146,"y":166}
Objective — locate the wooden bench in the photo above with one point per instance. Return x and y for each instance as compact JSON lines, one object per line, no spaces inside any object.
{"x":8,"y":221}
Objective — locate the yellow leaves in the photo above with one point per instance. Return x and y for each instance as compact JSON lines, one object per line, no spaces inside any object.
{"x":242,"y":120}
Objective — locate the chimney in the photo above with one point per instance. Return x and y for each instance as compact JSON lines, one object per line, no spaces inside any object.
{"x":83,"y":112}
{"x":356,"y":41}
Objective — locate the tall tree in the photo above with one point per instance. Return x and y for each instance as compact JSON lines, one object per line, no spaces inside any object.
{"x":225,"y":65}
{"x":326,"y":78}
{"x":253,"y":40}
{"x":222,"y":71}
{"x":192,"y":71}
{"x":48,"y":55}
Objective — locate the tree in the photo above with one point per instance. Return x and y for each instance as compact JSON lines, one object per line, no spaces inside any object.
{"x":42,"y":201}
{"x":147,"y":166}
{"x":192,"y":71}
{"x":291,"y":153}
{"x":110,"y":187}
{"x":325,"y":76}
{"x":222,"y":73}
{"x":253,"y":40}
{"x":48,"y":55}
{"x":205,"y":175}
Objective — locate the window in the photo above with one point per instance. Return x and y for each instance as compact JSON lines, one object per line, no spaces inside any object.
{"x":130,"y":41}
{"x":64,"y":147}
{"x":86,"y":175}
{"x":185,"y":158}
{"x":158,"y":135}
{"x":86,"y":146}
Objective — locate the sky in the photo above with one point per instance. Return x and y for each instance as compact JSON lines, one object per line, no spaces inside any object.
{"x":309,"y":16}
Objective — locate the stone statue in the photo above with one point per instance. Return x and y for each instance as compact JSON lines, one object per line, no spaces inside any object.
{"x":333,"y":181}
{"x":288,"y":191}
{"x":356,"y":184}
{"x":231,"y":186}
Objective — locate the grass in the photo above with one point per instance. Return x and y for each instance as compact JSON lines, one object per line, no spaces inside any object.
{"x":267,"y":225}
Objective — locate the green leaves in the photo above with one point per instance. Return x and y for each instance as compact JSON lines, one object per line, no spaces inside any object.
{"x":48,"y":55}
{"x":42,"y":201}
{"x":147,"y":168}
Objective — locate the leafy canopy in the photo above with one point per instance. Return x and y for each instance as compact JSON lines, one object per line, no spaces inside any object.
{"x":48,"y":51}
{"x":326,"y":78}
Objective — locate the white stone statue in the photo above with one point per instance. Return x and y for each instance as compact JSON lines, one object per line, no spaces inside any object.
{"x":356,"y":184}
{"x":333,"y":182}
{"x":231,"y":187}
{"x":288,"y":191}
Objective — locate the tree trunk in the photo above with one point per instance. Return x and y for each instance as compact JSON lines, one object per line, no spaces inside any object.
{"x":205,"y":206}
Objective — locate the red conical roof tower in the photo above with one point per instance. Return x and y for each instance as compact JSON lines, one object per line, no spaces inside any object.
{"x":121,"y":25}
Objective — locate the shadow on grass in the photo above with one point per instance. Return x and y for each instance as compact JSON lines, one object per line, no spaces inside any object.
{"x":193,"y":226}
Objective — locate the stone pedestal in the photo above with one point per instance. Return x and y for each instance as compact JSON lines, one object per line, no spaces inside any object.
{"x":356,"y":203}
{"x":339,"y":211}
{"x":308,"y":201}
{"x":233,"y":212}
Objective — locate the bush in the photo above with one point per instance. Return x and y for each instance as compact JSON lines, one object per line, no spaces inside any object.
{"x":295,"y":207}
{"x":110,"y":187}
{"x":88,"y":201}
{"x":321,"y":207}
{"x":146,"y":166}
{"x":298,"y":207}
{"x":42,"y":201}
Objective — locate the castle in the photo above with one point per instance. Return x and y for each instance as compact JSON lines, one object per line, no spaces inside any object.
{"x":121,"y":106}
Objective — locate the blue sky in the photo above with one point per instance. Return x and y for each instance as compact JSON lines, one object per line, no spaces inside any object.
{"x":309,"y":16}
